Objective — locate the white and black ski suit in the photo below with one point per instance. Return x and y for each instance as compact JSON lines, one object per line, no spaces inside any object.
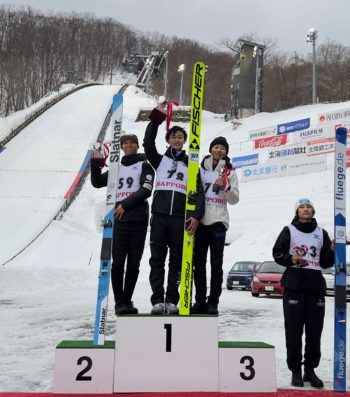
{"x":168,"y":213}
{"x":305,"y":288}
{"x":135,"y":186}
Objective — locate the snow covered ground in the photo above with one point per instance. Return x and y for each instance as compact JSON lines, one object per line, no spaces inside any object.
{"x":48,"y":293}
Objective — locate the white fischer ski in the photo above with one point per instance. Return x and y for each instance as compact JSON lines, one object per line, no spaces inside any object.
{"x":108,"y":222}
{"x":339,"y":384}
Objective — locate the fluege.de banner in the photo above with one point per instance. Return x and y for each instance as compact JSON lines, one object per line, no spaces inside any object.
{"x":277,"y":169}
{"x":244,"y":161}
{"x":292,"y":126}
{"x":272,"y":141}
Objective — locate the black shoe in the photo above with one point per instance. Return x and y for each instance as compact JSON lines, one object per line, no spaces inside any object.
{"x":310,"y":376}
{"x":297,"y":380}
{"x":199,"y":308}
{"x":120,"y":308}
{"x":130,"y":308}
{"x":213,"y":308}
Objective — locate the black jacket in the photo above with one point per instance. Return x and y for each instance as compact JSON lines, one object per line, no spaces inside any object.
{"x":135,"y":206}
{"x":166,"y":201}
{"x":300,"y":279}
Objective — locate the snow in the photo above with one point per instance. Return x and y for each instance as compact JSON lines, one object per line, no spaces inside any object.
{"x":48,"y":292}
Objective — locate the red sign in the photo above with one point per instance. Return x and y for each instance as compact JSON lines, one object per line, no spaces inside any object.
{"x":348,"y":157}
{"x":272,"y":141}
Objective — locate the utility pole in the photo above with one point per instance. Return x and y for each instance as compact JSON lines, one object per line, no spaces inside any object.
{"x":311,"y":37}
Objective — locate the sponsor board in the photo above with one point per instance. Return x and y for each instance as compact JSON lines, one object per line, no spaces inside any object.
{"x":272,"y":141}
{"x":245,"y":161}
{"x":292,"y":126}
{"x":348,"y":157}
{"x":289,"y":167}
{"x":288,"y":151}
{"x":314,"y":133}
{"x":330,"y":117}
{"x":263,"y":132}
{"x":321,"y":146}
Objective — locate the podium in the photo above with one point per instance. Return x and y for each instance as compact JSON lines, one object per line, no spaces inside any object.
{"x":164,"y":354}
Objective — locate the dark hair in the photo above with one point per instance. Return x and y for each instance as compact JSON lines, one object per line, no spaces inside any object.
{"x":174,"y":130}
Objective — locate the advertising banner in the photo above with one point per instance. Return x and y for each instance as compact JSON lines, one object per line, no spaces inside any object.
{"x":267,"y":131}
{"x":336,"y":115}
{"x":288,"y":151}
{"x":321,"y":146}
{"x":244,"y":161}
{"x":272,"y":141}
{"x":292,"y":126}
{"x":288,"y":167}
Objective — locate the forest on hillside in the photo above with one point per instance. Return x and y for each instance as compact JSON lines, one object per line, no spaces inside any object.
{"x":39,"y":52}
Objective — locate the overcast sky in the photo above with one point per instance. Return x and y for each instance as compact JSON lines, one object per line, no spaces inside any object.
{"x":209,"y":21}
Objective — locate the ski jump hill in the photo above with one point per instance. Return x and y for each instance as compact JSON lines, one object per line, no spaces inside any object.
{"x":279,"y":158}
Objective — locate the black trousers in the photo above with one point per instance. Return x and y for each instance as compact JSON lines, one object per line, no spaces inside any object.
{"x":128,"y":244}
{"x":213,"y":237}
{"x":166,"y":232}
{"x":303,"y":310}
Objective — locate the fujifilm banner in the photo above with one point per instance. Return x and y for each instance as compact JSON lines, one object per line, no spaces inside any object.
{"x":280,"y":168}
{"x":293,"y":126}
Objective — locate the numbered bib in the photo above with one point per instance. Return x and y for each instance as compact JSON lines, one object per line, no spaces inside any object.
{"x":129,"y":180}
{"x":213,"y":195}
{"x":307,"y":245}
{"x":171,"y":175}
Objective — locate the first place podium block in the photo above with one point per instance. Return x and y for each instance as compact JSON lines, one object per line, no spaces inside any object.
{"x":166,"y":354}
{"x":81,"y":367}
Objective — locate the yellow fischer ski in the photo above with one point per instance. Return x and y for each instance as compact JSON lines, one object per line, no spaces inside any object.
{"x":193,"y":168}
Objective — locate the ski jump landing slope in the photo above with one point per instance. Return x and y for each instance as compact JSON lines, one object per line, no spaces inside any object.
{"x":39,"y":165}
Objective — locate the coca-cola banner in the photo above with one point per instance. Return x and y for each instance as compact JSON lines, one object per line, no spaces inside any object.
{"x":272,"y":141}
{"x":348,"y":157}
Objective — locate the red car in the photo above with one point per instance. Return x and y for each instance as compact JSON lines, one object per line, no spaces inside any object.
{"x":267,"y":279}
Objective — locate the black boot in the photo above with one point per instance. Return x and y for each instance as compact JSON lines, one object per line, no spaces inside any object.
{"x":213,"y":308}
{"x":297,"y":380}
{"x":120,"y":308}
{"x":199,"y":308}
{"x":130,"y":308}
{"x":310,"y":376}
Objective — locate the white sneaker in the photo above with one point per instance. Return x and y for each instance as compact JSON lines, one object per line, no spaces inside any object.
{"x":158,"y":308}
{"x":171,"y":308}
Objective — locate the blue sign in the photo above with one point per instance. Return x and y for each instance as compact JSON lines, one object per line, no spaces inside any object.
{"x":2,"y":149}
{"x":293,"y":126}
{"x":245,"y":161}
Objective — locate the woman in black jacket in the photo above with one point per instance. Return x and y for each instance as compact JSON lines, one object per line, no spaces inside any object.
{"x":131,"y":219}
{"x":304,"y":248}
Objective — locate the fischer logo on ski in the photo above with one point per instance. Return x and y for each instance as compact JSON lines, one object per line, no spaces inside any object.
{"x":193,"y":167}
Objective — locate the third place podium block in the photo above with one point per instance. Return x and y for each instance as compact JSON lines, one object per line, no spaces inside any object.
{"x":166,"y":354}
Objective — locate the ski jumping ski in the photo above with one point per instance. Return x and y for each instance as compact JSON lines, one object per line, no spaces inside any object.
{"x":193,"y":168}
{"x":340,"y":261}
{"x":108,"y":222}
